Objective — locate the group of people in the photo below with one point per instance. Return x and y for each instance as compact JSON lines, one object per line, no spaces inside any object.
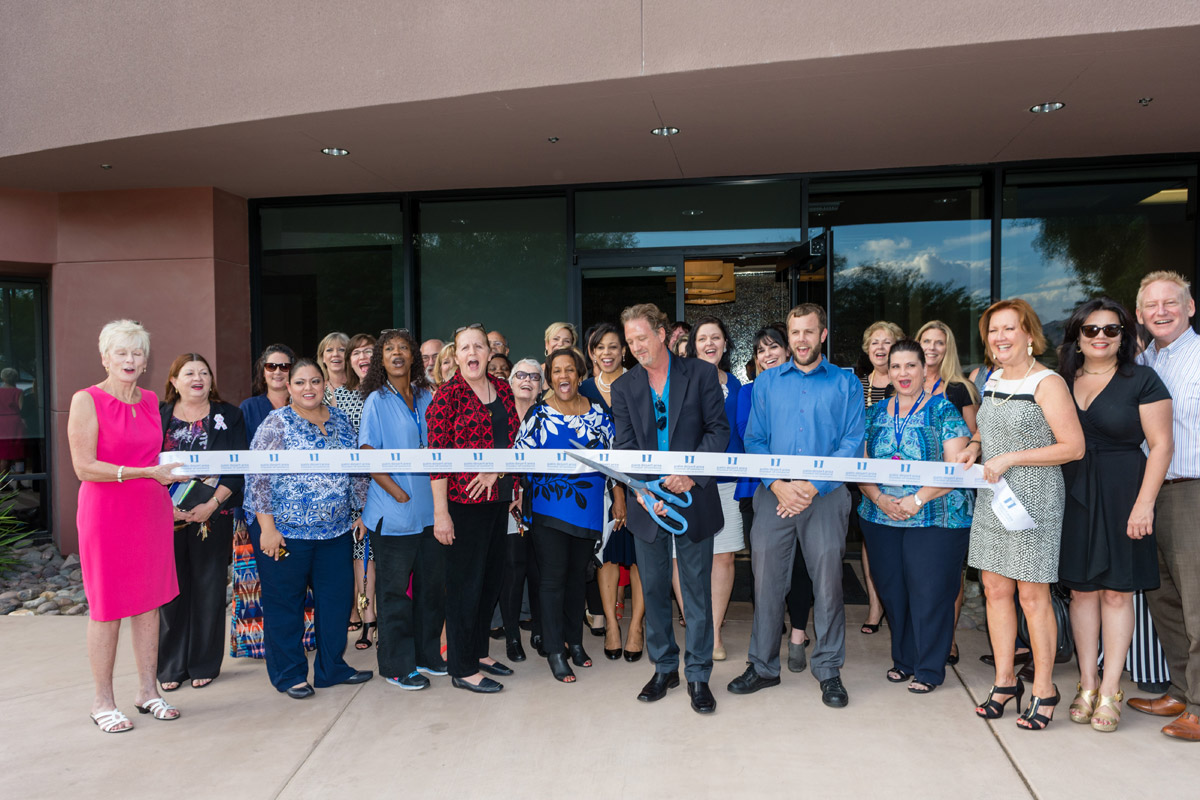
{"x":1103,"y":454}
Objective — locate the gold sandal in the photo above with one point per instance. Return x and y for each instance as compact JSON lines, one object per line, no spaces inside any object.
{"x":1084,"y":704}
{"x":1107,"y":716}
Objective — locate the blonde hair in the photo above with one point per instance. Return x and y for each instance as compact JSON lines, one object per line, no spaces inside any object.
{"x":448,"y":350}
{"x":651,"y":313}
{"x":555,"y":327}
{"x":951,"y":369}
{"x":124,"y":331}
{"x":330,"y":338}
{"x":1163,"y":275}
{"x":892,"y":328}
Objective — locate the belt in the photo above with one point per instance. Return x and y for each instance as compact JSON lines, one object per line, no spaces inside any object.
{"x":1178,"y":480}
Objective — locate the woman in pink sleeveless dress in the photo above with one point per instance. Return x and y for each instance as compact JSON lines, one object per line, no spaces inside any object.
{"x":124,"y":521}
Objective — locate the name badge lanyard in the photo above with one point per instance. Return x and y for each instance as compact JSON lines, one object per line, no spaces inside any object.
{"x":899,"y":427}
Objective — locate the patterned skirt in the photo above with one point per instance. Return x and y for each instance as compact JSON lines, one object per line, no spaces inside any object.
{"x":246,"y":628}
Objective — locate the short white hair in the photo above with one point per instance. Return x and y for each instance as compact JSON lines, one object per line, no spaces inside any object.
{"x":124,"y":331}
{"x":537,"y":367}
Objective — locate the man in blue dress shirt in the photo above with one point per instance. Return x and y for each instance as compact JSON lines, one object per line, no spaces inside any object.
{"x":807,"y":407}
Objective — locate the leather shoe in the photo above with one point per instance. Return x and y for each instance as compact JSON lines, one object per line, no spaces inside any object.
{"x":485,"y":686}
{"x":515,"y":651}
{"x":833,"y":693}
{"x":301,"y":692}
{"x":1018,"y":659}
{"x":656,"y":687}
{"x":750,"y":681}
{"x":1165,"y":706}
{"x":612,"y":655}
{"x":1187,"y":728}
{"x":703,"y":701}
{"x":535,"y":641}
{"x":633,"y":655}
{"x":362,"y":676}
{"x":495,"y":668}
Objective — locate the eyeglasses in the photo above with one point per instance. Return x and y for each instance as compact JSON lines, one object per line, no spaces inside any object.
{"x":271,"y":367}
{"x":528,"y":376}
{"x":1092,"y":331}
{"x":476,"y":325}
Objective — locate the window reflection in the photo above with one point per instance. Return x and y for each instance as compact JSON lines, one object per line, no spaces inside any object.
{"x":1065,"y":242}
{"x":908,"y":255}
{"x":24,"y":460}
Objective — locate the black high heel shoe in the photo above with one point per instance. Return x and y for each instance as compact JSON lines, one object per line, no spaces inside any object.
{"x":364,"y":640}
{"x":1035,"y":720}
{"x":869,"y":628}
{"x":579,"y":656}
{"x":560,"y":668}
{"x":994,"y":709}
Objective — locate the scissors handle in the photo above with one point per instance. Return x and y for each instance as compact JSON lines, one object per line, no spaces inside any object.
{"x":671,"y":514}
{"x":668,"y":496}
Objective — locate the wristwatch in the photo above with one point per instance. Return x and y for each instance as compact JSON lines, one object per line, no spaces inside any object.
{"x":916,"y":496}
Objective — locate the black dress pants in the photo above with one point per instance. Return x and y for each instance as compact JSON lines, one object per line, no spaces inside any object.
{"x":191,"y":628}
{"x":474,"y":572}
{"x":519,"y":565}
{"x":562,"y":561}
{"x":410,"y":629}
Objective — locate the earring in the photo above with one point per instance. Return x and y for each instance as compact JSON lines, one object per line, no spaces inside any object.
{"x":1029,"y":349}
{"x":1078,"y":349}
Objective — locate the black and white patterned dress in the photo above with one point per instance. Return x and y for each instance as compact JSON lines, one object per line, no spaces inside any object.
{"x":351,"y":402}
{"x":1005,"y":426}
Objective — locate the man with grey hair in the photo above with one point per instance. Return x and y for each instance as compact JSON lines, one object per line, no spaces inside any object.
{"x":1165,"y":307}
{"x":429,"y":353}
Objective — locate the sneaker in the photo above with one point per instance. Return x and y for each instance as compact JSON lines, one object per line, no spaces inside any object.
{"x":412,"y":682}
{"x":436,"y":671}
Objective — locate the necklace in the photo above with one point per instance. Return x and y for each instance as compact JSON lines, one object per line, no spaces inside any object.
{"x":1019,"y":385}
{"x":1101,"y":372}
{"x":607,"y":387}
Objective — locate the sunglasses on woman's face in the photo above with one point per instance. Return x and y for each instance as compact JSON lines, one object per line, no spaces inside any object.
{"x":1092,"y":331}
{"x":528,"y":376}
{"x":271,"y":367}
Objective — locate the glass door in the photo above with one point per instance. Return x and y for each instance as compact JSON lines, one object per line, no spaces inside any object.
{"x":24,"y":455}
{"x":608,"y":285}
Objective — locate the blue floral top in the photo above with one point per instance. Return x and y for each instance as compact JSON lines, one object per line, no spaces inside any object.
{"x":921,"y":440}
{"x":573,"y":504}
{"x":306,"y":506}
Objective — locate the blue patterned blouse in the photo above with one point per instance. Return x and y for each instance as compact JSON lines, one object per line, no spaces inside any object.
{"x":306,"y":506}
{"x":921,"y":440}
{"x":573,"y":504}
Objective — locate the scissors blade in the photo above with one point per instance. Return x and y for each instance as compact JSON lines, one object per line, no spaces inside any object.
{"x":609,"y":471}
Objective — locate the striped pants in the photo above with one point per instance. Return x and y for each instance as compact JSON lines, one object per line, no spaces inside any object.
{"x":1146,"y":662}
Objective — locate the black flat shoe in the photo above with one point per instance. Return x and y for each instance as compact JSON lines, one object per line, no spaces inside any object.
{"x":898,"y":675}
{"x":535,"y":641}
{"x":579,"y":656}
{"x":633,"y":655}
{"x":559,"y":667}
{"x":656,"y":688}
{"x":703,"y":701}
{"x":362,"y":676}
{"x":496,"y":633}
{"x":515,"y":651}
{"x":485,"y":686}
{"x":301,"y":692}
{"x":495,"y":668}
{"x":952,"y":659}
{"x":833,"y":693}
{"x":750,"y":681}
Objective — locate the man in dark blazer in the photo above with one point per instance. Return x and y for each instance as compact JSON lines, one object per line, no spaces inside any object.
{"x":669,"y":403}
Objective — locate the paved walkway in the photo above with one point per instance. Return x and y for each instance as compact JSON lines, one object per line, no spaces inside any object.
{"x":240,"y":739}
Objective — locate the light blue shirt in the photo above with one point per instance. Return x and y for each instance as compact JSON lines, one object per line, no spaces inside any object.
{"x":1178,"y":364}
{"x":797,"y":413}
{"x":389,"y":424}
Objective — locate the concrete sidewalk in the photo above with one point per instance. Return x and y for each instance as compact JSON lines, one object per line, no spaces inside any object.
{"x":238,"y":738}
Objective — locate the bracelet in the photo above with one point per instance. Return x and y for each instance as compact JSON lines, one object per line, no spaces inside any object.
{"x":120,"y":478}
{"x":975,"y":441}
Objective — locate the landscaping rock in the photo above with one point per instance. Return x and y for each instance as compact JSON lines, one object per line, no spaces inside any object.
{"x":76,"y":575}
{"x":24,"y":595}
{"x":47,"y":606}
{"x":22,"y":612}
{"x":76,"y":610}
{"x":7,"y":606}
{"x":70,"y":561}
{"x":63,"y":602}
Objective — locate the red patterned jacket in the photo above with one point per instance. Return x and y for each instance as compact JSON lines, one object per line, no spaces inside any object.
{"x":458,"y":421}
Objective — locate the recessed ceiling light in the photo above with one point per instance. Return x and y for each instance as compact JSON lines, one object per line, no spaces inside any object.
{"x":668,"y":131}
{"x":692,"y":212}
{"x":1046,"y":108}
{"x":334,"y":151}
{"x":553,"y":140}
{"x":1145,"y":101}
{"x":106,"y":166}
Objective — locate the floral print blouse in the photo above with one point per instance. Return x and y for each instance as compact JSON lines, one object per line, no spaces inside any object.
{"x":306,"y":506}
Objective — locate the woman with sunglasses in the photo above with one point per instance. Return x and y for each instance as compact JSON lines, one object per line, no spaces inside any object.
{"x":473,"y":410}
{"x":270,"y":392}
{"x":1108,"y":546}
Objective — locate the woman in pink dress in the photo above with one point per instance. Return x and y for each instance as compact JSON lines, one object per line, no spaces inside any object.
{"x":124,"y":521}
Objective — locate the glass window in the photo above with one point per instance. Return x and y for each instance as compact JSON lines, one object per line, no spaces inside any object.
{"x":499,"y":262}
{"x":24,"y":456}
{"x":330,"y":268}
{"x":908,"y":252}
{"x":747,"y":212}
{"x":1068,"y":237}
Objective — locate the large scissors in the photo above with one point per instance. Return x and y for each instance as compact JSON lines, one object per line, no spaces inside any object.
{"x":650,"y":493}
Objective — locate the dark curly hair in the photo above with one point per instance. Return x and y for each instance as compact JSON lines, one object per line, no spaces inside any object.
{"x":259,"y":385}
{"x":376,"y":375}
{"x":691,"y":352}
{"x":1070,"y":359}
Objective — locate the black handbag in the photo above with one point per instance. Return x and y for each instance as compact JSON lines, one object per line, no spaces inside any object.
{"x":1060,"y":601}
